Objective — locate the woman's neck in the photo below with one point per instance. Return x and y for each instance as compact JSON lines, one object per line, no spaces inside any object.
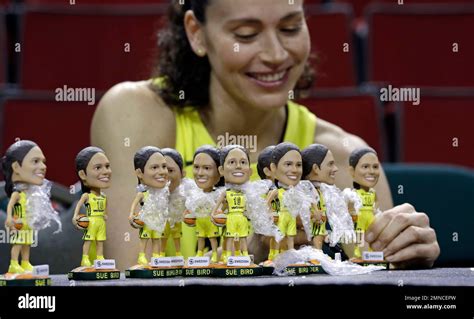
{"x":226,"y":115}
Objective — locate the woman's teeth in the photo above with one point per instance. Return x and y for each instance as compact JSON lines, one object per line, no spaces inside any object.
{"x":269,"y":77}
{"x":238,"y":174}
{"x":104,"y":179}
{"x":202,"y":180}
{"x":292,"y":177}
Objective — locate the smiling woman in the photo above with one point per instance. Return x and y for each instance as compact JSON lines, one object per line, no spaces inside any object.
{"x":228,"y":67}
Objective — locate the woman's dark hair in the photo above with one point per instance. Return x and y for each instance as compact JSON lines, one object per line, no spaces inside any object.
{"x":182,"y":71}
{"x":355,"y":157}
{"x":15,"y":153}
{"x":281,"y":149}
{"x":82,"y":160}
{"x":143,"y":155}
{"x":313,"y":154}
{"x":226,"y":150}
{"x":175,"y":156}
{"x":264,"y":160}
{"x":214,"y":153}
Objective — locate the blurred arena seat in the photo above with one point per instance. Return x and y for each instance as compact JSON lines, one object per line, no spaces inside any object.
{"x":438,"y":129}
{"x":91,"y":47}
{"x":421,"y":45}
{"x":443,"y":192}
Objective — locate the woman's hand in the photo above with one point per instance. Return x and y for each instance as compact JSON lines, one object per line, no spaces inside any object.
{"x":8,"y":223}
{"x":405,"y":237}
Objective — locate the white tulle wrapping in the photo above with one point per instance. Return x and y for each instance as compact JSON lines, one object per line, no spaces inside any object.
{"x":332,"y":267}
{"x":154,"y":212}
{"x":351,"y":196}
{"x":257,"y":209}
{"x":298,"y":200}
{"x":342,"y":227}
{"x":177,"y":201}
{"x":40,"y":212}
{"x":201,"y":203}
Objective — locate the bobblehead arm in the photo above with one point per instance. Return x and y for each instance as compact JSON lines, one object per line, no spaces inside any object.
{"x":14,"y":198}
{"x":128,"y":117}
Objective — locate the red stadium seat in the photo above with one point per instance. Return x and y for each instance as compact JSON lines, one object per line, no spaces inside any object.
{"x":330,"y":30}
{"x":355,"y":112}
{"x":421,"y":45}
{"x":439,"y":129}
{"x":88,"y":46}
{"x":61,"y":129}
{"x":360,"y":5}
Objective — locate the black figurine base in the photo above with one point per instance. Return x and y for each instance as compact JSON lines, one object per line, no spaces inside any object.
{"x":90,"y":273}
{"x":148,"y":272}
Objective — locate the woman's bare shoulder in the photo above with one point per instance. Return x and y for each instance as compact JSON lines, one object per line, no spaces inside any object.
{"x":133,"y":109}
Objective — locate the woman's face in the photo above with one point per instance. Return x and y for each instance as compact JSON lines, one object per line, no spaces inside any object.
{"x":174,"y":173}
{"x":328,"y":170}
{"x":289,"y":168}
{"x":98,"y":172}
{"x":257,"y":49}
{"x":155,"y":173}
{"x":367,"y":171}
{"x":236,"y":168}
{"x":32,"y":169}
{"x":205,"y":172}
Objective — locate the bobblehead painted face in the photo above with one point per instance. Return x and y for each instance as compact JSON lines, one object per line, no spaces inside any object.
{"x":32,"y":169}
{"x":289,"y":168}
{"x":174,"y":173}
{"x":257,"y":49}
{"x":367,"y":171}
{"x":236,"y":168}
{"x":328,"y":170}
{"x":155,"y":173}
{"x":98,"y":172}
{"x":205,"y":172}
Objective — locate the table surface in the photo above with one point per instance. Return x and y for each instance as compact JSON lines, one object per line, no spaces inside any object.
{"x":427,"y":277}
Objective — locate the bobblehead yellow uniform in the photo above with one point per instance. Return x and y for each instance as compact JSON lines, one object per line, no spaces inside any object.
{"x":286,"y":221}
{"x":237,"y":224}
{"x":146,"y":232}
{"x":25,"y":235}
{"x":319,"y":229}
{"x":95,"y":208}
{"x":175,"y":232}
{"x":205,"y":228}
{"x":366,"y":213}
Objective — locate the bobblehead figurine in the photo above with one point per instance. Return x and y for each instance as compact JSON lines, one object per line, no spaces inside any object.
{"x":29,"y":210}
{"x":364,"y":167}
{"x":319,"y":167}
{"x":149,"y":213}
{"x":94,"y":172}
{"x":207,"y":178}
{"x":264,"y":171}
{"x":176,"y":207}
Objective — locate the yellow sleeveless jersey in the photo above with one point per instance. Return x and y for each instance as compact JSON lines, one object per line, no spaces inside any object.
{"x":95,"y":206}
{"x":235,"y":201}
{"x":322,"y":202}
{"x":191,"y":132}
{"x":282,"y":207}
{"x":368,"y":200}
{"x":19,"y":209}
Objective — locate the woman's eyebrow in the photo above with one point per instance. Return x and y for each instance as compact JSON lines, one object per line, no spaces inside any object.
{"x":289,"y":16}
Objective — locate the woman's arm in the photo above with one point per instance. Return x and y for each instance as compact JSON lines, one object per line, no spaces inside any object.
{"x":135,"y":203}
{"x":128,"y":117}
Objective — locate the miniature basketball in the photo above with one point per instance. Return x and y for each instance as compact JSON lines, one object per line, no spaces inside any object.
{"x":137,"y":222}
{"x":17,"y":223}
{"x":219,"y":220}
{"x":190,"y":219}
{"x":82,"y":221}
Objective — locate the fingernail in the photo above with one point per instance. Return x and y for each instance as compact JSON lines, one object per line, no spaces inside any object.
{"x":376,"y":246}
{"x":369,"y":237}
{"x":389,"y":258}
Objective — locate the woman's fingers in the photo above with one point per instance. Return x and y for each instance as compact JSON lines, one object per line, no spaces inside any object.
{"x":410,"y":236}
